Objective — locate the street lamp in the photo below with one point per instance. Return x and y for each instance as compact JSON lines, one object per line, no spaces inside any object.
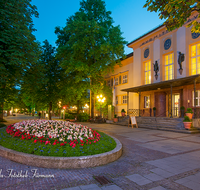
{"x":101,"y":100}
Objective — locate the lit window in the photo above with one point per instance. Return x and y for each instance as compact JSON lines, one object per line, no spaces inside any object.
{"x":197,"y":100}
{"x":120,"y":79}
{"x":147,"y":101}
{"x":169,"y":66}
{"x":125,"y":79}
{"x":116,"y":81}
{"x":195,"y":59}
{"x":124,"y":99}
{"x":147,"y":66}
{"x":116,"y":100}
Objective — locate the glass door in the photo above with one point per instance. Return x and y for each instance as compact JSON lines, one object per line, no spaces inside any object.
{"x":176,"y":105}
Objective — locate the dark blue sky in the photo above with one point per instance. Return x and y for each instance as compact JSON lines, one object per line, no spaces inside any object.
{"x":134,"y":20}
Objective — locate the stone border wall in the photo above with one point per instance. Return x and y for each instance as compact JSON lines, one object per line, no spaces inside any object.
{"x":63,"y":162}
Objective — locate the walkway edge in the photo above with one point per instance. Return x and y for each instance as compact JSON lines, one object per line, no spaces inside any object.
{"x":63,"y":162}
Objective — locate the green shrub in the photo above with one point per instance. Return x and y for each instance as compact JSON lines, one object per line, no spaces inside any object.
{"x":186,"y":119}
{"x":69,"y":116}
{"x":154,"y":108}
{"x":123,"y":111}
{"x":189,"y":110}
{"x":182,"y":108}
{"x":83,"y":117}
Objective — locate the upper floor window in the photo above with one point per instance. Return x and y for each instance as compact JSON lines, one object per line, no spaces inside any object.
{"x":147,"y":66}
{"x":116,"y":81}
{"x":124,"y":99}
{"x":116,"y":100}
{"x":169,"y":66}
{"x":195,"y":59}
{"x":125,"y":79}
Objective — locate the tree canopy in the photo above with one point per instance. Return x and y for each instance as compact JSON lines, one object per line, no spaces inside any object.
{"x":176,"y":12}
{"x":90,"y":44}
{"x":18,"y":47}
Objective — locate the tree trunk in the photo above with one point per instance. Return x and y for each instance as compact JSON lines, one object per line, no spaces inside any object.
{"x":91,"y":101}
{"x":1,"y":111}
{"x":78,"y":105}
{"x":50,"y":110}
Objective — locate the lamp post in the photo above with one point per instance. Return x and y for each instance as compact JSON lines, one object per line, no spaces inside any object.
{"x":101,"y":100}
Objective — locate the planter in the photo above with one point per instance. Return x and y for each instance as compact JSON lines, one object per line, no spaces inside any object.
{"x":154,"y":113}
{"x":187,"y":125}
{"x":115,"y":120}
{"x":182,"y":113}
{"x":189,"y":115}
{"x":123,"y":114}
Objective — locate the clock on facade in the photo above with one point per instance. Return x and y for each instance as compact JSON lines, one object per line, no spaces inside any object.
{"x":167,"y":44}
{"x":195,"y":35}
{"x":146,"y":53}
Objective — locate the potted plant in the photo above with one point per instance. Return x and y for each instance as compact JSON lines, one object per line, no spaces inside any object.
{"x":189,"y":113}
{"x":115,"y":118}
{"x":187,"y":122}
{"x":182,"y":111}
{"x":154,"y":111}
{"x":123,"y":112}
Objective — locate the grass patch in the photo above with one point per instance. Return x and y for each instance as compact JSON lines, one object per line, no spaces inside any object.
{"x":27,"y":146}
{"x":2,"y":125}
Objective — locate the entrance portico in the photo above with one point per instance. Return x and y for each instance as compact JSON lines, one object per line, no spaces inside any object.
{"x":166,"y":96}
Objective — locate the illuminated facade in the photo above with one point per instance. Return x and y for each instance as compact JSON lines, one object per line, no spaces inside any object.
{"x":164,"y":72}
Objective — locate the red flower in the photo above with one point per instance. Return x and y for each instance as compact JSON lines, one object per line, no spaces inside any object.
{"x":62,"y":144}
{"x":35,"y":141}
{"x":54,"y":143}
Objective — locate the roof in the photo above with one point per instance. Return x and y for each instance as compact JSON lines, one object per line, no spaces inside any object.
{"x":165,"y":84}
{"x":160,"y":26}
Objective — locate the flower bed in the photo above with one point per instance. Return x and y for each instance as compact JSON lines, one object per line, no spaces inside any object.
{"x":55,"y":138}
{"x":53,"y":132}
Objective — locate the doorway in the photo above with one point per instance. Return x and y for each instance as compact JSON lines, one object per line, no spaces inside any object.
{"x":176,"y":105}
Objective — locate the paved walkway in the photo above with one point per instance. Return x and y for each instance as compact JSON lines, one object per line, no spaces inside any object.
{"x":151,"y":160}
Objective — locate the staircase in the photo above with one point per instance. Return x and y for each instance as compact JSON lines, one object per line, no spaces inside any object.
{"x":159,"y":123}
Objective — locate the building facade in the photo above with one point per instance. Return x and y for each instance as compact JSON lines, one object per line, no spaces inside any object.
{"x":164,"y":73}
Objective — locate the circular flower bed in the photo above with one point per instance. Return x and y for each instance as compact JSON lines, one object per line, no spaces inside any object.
{"x":52,"y":132}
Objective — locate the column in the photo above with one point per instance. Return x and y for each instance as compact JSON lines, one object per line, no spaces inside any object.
{"x":127,"y":103}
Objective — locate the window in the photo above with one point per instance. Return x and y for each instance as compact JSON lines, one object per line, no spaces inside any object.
{"x":124,"y":99}
{"x":120,"y":79}
{"x":116,"y":100}
{"x":112,"y":82}
{"x":195,"y":59}
{"x":116,"y":81}
{"x":108,"y":82}
{"x":169,"y":66}
{"x":125,"y":78}
{"x":197,"y":98}
{"x":147,"y":101}
{"x":147,"y":66}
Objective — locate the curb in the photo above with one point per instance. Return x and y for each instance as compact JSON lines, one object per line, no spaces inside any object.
{"x":63,"y":162}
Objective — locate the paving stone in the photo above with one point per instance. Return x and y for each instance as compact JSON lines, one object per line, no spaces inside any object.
{"x":135,"y":177}
{"x":192,"y":185}
{"x":162,"y":172}
{"x":182,"y":180}
{"x":72,"y":188}
{"x":143,"y":182}
{"x":153,"y":177}
{"x":158,"y":188}
{"x":90,"y":187}
{"x":111,"y":187}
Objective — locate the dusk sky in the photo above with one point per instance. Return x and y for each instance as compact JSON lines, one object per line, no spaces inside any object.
{"x":134,"y":20}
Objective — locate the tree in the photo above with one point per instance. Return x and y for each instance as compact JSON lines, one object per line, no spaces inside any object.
{"x":89,"y":44}
{"x":176,"y":12}
{"x":43,"y":82}
{"x":17,"y":45}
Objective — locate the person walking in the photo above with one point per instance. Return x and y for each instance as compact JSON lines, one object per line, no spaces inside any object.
{"x":39,"y":115}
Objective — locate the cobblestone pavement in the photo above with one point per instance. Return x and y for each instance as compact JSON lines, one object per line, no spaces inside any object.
{"x":151,"y":160}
